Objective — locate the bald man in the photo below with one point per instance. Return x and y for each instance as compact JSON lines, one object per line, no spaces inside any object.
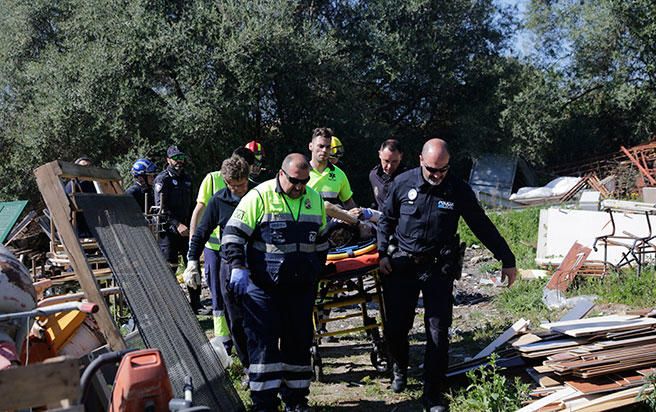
{"x":279,"y":228}
{"x":421,"y":215}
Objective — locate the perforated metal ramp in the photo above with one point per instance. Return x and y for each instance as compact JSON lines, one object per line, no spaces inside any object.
{"x":157,"y":302}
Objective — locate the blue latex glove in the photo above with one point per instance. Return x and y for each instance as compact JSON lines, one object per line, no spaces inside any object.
{"x":239,"y":281}
{"x":366,"y":213}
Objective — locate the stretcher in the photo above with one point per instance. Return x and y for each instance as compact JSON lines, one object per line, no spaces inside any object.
{"x":350,"y":280}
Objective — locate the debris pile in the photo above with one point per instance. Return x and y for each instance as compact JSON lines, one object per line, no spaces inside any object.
{"x":591,"y":364}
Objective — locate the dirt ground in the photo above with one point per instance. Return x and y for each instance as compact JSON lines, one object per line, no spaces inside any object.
{"x":351,"y":382}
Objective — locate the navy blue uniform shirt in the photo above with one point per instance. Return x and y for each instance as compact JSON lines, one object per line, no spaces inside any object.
{"x":423,"y":217}
{"x":139,"y":193}
{"x":218,"y":212}
{"x":173,"y":193}
{"x":381,"y":182}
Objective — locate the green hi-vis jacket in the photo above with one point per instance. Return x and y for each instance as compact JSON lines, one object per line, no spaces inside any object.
{"x":284,"y":238}
{"x":212,"y":183}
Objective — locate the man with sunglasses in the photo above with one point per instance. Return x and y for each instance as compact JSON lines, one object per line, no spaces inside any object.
{"x":172,"y":191}
{"x":276,"y":246}
{"x":420,"y":251}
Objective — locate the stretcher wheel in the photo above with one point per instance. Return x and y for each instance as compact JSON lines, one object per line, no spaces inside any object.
{"x":379,"y":360}
{"x":378,"y":356}
{"x":317,"y":364}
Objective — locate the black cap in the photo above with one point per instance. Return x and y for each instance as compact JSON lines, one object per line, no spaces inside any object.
{"x":173,"y":151}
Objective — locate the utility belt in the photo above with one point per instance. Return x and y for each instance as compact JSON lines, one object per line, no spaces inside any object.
{"x":446,"y":260}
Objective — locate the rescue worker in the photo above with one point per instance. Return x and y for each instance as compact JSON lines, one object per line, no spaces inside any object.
{"x":257,"y":167}
{"x":172,"y":189}
{"x":279,"y":229}
{"x":384,"y":173}
{"x":143,"y":171}
{"x":212,"y":184}
{"x":234,"y":172}
{"x":336,"y":150}
{"x":421,"y":215}
{"x":329,"y":180}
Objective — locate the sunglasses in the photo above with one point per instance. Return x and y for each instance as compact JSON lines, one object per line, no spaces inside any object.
{"x":179,"y":158}
{"x":434,"y":170}
{"x":296,"y":181}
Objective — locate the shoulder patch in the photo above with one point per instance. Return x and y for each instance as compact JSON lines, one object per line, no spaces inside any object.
{"x":238,"y":214}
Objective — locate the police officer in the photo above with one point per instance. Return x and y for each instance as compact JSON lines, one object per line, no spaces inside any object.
{"x":279,"y":228}
{"x":173,"y":196}
{"x":384,"y":173}
{"x":143,"y":171}
{"x":419,"y":250}
{"x":234,"y":172}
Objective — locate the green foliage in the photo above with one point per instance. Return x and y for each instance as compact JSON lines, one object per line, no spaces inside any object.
{"x":489,"y":391}
{"x":519,"y":228}
{"x":624,"y":287}
{"x":648,"y":392}
{"x":524,"y":299}
{"x":121,"y":80}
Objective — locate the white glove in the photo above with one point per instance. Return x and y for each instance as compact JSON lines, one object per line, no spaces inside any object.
{"x":191,"y":275}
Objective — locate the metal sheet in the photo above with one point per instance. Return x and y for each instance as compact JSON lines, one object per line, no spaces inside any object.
{"x":157,"y":302}
{"x":9,"y":212}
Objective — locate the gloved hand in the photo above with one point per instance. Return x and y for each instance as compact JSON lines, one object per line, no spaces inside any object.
{"x":239,"y":280}
{"x":191,"y":275}
{"x":366,"y":213}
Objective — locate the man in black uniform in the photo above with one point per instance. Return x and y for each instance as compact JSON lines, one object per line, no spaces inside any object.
{"x":143,"y":171}
{"x":384,"y":173}
{"x":174,"y":197}
{"x":419,"y":222}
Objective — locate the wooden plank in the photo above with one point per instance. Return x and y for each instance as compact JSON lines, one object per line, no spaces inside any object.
{"x":40,"y":384}
{"x":57,"y":202}
{"x":518,"y":326}
{"x":579,"y":310}
{"x":71,"y":170}
{"x":565,"y":273}
{"x":554,"y":397}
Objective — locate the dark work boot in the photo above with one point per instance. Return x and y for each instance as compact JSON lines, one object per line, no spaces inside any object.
{"x":435,"y":403}
{"x":400,"y":378}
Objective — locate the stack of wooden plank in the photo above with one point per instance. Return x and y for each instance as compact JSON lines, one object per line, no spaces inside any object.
{"x":591,"y":364}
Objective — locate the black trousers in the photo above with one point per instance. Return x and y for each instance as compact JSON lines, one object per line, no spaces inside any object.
{"x":400,"y":293}
{"x":173,"y":245}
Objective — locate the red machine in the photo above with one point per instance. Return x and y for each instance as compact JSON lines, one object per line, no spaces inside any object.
{"x":142,"y":383}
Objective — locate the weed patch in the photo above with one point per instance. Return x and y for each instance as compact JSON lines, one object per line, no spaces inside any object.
{"x":489,"y":390}
{"x":518,"y":227}
{"x":524,"y":299}
{"x":624,"y":287}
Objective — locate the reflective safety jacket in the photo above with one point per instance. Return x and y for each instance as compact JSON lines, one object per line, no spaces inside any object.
{"x":211,"y":184}
{"x":285,"y":238}
{"x":332,"y":184}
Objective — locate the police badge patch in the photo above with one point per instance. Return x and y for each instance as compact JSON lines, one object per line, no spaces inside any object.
{"x":412,"y":194}
{"x":308,"y":204}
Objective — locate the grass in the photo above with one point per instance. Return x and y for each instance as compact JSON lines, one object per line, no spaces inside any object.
{"x":489,"y":390}
{"x":524,"y":300}
{"x":518,"y":227}
{"x":624,"y":287}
